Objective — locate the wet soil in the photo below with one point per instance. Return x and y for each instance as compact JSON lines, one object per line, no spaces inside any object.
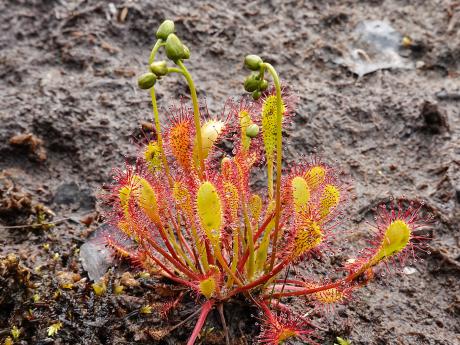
{"x":69,"y":108}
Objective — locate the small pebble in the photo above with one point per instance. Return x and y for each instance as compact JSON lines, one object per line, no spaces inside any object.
{"x":409,"y":270}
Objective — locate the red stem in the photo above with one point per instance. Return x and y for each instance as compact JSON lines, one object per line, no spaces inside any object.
{"x":309,"y":291}
{"x":163,"y":235}
{"x":173,"y":261}
{"x":208,"y":253}
{"x":197,"y":259}
{"x":205,"y":309}
{"x":304,"y":291}
{"x":277,"y":228}
{"x":265,"y":309}
{"x":171,"y":275}
{"x":181,"y":238}
{"x":262,"y":227}
{"x":171,"y":258}
{"x":278,"y":287}
{"x":290,"y":281}
{"x":263,"y":279}
{"x":245,"y":256}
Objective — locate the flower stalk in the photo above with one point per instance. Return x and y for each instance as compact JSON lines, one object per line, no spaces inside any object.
{"x":196,"y":116}
{"x":279,"y":156}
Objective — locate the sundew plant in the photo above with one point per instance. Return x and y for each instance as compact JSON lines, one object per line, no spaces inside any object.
{"x":187,"y":209}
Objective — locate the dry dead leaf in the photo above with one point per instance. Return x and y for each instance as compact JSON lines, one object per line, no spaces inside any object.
{"x":123,"y":14}
{"x":29,"y":140}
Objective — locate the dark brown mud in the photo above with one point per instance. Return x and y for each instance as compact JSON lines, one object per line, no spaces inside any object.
{"x":68,"y":83}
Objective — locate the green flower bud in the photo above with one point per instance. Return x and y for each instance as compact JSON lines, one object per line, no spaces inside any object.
{"x":256,"y":95}
{"x":165,"y":29}
{"x":174,"y":48}
{"x":252,"y":130}
{"x":252,"y":62}
{"x":251,"y":83}
{"x":186,"y":53}
{"x":263,"y":85}
{"x":159,"y":68}
{"x":147,"y":80}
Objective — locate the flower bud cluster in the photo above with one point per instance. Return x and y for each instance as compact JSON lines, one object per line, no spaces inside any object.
{"x":255,"y":82}
{"x":175,"y":50}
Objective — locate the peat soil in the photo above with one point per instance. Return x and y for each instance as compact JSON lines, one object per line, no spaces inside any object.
{"x":69,"y":108}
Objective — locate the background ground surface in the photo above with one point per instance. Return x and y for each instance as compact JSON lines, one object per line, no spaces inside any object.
{"x":68,"y":71}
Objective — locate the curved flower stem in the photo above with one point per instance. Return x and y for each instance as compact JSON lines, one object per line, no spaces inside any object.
{"x":205,"y":309}
{"x":154,"y":51}
{"x":175,"y":70}
{"x":235,"y":251}
{"x":156,"y":116}
{"x":250,"y":242}
{"x":279,"y":157}
{"x":196,"y":115}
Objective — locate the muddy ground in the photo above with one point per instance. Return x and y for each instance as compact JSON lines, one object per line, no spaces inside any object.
{"x":68,"y":83}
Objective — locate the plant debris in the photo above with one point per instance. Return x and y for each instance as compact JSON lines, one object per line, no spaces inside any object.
{"x":34,"y":144}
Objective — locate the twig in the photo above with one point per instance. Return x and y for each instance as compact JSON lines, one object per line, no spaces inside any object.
{"x":445,"y":258}
{"x":61,"y":220}
{"x":191,"y":316}
{"x":220,"y":308}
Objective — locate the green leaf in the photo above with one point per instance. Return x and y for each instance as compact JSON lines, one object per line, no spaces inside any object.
{"x":209,"y":209}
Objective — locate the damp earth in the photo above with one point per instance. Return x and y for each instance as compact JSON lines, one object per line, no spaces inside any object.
{"x":70,"y":111}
